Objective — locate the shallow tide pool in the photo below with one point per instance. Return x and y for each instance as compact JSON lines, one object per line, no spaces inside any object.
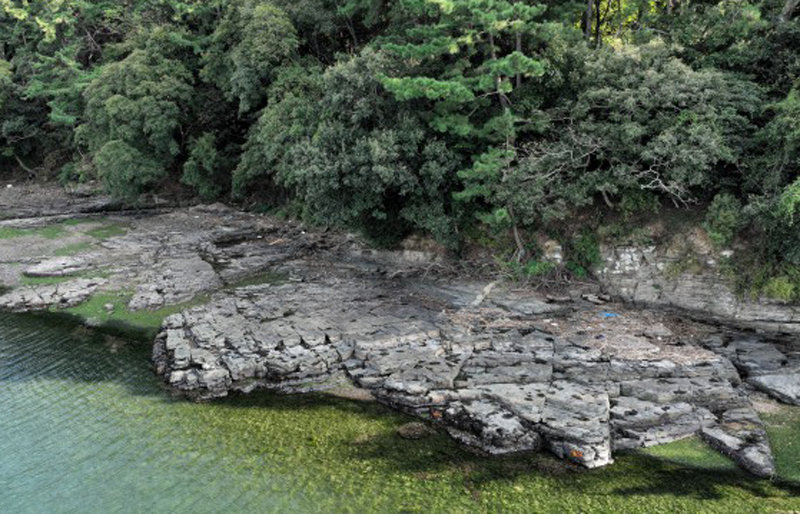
{"x":85,"y":426}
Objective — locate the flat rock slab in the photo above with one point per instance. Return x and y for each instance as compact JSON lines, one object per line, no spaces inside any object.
{"x":772,"y":369}
{"x":64,"y":295}
{"x":173,"y":281}
{"x":59,"y":267}
{"x":785,"y":387}
{"x":482,"y":370}
{"x":160,"y":259}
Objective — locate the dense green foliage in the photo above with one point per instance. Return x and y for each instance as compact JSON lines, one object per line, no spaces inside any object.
{"x":447,"y":117}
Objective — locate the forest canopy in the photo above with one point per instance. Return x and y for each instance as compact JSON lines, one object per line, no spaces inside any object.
{"x":427,"y":116}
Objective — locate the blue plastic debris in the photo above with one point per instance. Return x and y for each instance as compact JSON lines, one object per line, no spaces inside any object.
{"x":609,"y":314}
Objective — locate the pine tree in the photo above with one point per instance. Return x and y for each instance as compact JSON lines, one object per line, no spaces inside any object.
{"x":466,"y":58}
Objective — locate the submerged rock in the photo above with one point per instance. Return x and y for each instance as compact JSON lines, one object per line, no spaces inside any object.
{"x":414,"y":430}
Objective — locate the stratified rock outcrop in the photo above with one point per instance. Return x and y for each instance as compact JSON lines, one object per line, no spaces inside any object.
{"x":650,"y":276}
{"x":483,"y":369}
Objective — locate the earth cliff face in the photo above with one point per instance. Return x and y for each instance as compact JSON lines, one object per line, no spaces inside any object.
{"x":501,"y":369}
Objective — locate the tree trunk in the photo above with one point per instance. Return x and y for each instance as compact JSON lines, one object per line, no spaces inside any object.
{"x":31,"y":172}
{"x":598,"y":23}
{"x":352,"y":30}
{"x":587,"y":22}
{"x":519,"y":49}
{"x":517,"y":238}
{"x":498,"y":80}
{"x":788,"y":10}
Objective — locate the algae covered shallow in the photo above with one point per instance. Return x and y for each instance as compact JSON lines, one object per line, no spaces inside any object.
{"x":88,"y":428}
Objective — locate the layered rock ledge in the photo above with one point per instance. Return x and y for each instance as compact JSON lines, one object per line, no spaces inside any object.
{"x":654,"y":277}
{"x":500,"y":371}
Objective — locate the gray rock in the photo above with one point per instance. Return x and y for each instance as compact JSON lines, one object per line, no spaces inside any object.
{"x":490,"y":427}
{"x":60,"y":296}
{"x":764,"y":366}
{"x":477,"y":358}
{"x":644,"y":275}
{"x":487,"y":375}
{"x":754,"y":357}
{"x":575,"y":422}
{"x":174,"y":281}
{"x":59,"y":267}
{"x":740,"y":434}
{"x":784,"y":387}
{"x":638,"y":423}
{"x":593,"y":298}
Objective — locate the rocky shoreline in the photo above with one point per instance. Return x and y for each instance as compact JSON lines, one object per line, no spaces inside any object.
{"x":495,"y":371}
{"x":501,"y":369}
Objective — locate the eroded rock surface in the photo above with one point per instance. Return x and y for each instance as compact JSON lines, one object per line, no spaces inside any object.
{"x":764,"y":365}
{"x":34,"y":298}
{"x":158,"y":259}
{"x":652,"y":276}
{"x":491,"y":375}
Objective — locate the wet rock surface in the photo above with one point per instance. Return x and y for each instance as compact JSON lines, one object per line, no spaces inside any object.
{"x":501,"y":369}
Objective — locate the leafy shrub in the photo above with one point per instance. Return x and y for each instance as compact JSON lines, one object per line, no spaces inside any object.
{"x":723,"y":219}
{"x":276,"y":142}
{"x":205,"y":169}
{"x":530,"y":269}
{"x":126,"y":171}
{"x":355,"y":158}
{"x":782,"y":288}
{"x":5,"y":81}
{"x":789,"y":203}
{"x":778,"y":161}
{"x":644,"y":121}
{"x":583,"y":254}
{"x":536,"y":268}
{"x":250,"y":42}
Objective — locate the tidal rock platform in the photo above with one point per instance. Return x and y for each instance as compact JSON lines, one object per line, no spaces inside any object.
{"x":500,"y":370}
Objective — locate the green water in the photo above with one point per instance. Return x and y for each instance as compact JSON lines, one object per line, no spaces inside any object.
{"x":86,"y":427}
